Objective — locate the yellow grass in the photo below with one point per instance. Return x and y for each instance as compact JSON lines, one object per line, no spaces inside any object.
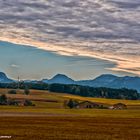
{"x":61,"y":97}
{"x":11,"y":110}
{"x":103,"y":100}
{"x":70,"y":128}
{"x":50,"y":121}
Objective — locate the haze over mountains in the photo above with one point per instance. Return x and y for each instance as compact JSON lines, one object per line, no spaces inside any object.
{"x":105,"y":80}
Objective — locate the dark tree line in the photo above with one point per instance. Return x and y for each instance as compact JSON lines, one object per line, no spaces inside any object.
{"x":78,"y":90}
{"x":95,"y":92}
{"x":23,"y":85}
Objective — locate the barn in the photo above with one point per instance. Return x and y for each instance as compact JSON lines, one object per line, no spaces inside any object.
{"x":119,"y":106}
{"x":87,"y":104}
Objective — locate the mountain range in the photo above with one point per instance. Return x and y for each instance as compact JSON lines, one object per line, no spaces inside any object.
{"x":105,"y":80}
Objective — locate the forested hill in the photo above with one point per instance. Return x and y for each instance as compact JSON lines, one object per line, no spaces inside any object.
{"x":86,"y":91}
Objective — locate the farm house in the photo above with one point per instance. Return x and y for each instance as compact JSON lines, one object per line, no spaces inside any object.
{"x":88,"y":104}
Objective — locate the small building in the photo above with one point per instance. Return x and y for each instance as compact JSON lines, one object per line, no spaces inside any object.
{"x":87,"y":104}
{"x":118,"y":106}
{"x":21,"y":103}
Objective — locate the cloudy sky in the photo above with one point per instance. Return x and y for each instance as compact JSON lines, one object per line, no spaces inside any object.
{"x":107,"y":31}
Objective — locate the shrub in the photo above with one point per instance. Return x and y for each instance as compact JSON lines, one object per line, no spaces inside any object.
{"x":28,"y":103}
{"x":26,"y":91}
{"x":12,"y":92}
{"x":12,"y":102}
{"x":3,"y":99}
{"x":71,"y":103}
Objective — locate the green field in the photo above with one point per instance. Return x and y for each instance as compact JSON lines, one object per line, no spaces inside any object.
{"x":53,"y":121}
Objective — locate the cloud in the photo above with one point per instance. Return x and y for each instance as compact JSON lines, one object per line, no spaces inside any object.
{"x":14,"y":66}
{"x":101,"y":28}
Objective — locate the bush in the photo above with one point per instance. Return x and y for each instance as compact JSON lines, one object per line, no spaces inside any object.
{"x":28,"y":103}
{"x":26,"y":91}
{"x":12,"y":92}
{"x":13,"y":102}
{"x":3,"y":99}
{"x":71,"y":103}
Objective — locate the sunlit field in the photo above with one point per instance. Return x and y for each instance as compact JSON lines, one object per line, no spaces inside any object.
{"x":61,"y":97}
{"x":52,"y":120}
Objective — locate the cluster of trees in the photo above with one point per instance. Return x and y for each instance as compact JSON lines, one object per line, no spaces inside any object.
{"x":77,"y":90}
{"x":5,"y":101}
{"x":13,"y":91}
{"x":15,"y":86}
{"x":25,"y":86}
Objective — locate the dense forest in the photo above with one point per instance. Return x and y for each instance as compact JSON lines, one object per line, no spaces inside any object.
{"x":78,"y":90}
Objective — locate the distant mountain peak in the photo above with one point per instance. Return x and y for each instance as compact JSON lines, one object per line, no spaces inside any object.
{"x":4,"y":78}
{"x":107,"y":76}
{"x":60,"y":75}
{"x":2,"y":74}
{"x":59,"y":78}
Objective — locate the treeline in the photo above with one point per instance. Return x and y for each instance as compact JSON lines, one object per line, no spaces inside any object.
{"x":95,"y":92}
{"x":6,"y":101}
{"x":78,"y":90}
{"x":23,"y":85}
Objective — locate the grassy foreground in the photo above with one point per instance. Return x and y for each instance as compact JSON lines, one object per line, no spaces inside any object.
{"x":70,"y":128}
{"x":69,"y":124}
{"x":31,"y":111}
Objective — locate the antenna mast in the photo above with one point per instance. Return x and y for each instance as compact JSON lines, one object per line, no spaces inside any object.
{"x":18,"y":83}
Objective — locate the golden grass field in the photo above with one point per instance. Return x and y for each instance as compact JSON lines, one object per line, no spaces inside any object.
{"x":52,"y":121}
{"x":60,"y":97}
{"x":70,"y":128}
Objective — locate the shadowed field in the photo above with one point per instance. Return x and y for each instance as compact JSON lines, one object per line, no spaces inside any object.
{"x":70,"y":128}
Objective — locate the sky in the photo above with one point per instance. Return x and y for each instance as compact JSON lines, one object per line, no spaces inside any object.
{"x":87,"y":38}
